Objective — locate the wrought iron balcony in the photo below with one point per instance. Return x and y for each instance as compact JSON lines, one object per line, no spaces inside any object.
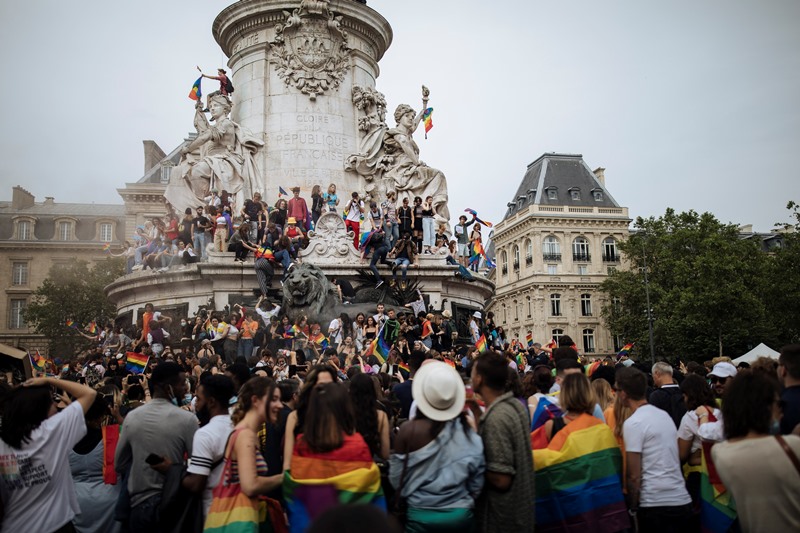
{"x":549,"y":257}
{"x":610,"y":258}
{"x":584,"y":257}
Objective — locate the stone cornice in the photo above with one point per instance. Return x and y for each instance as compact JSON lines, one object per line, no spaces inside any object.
{"x":540,"y":224}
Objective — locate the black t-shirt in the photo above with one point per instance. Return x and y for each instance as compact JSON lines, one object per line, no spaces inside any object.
{"x":185,"y":229}
{"x":199,"y":223}
{"x":252,"y":209}
{"x":791,"y":409}
{"x":347,"y":288}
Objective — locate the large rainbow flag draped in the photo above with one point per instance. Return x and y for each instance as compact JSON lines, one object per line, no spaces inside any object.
{"x":578,"y":484}
{"x":478,"y":220}
{"x":319,"y":339}
{"x":478,"y":252}
{"x":195,"y":93}
{"x":379,"y":348}
{"x":317,"y":482}
{"x":427,"y":118}
{"x":482,"y":345}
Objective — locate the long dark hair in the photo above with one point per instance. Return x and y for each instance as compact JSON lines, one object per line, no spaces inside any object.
{"x":258,"y":386}
{"x":304,"y":397}
{"x":24,"y":409}
{"x":365,"y":405}
{"x":697,"y":392}
{"x":330,"y":416}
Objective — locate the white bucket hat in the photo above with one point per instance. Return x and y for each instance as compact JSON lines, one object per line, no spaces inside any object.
{"x":477,"y":314}
{"x":439,"y":391}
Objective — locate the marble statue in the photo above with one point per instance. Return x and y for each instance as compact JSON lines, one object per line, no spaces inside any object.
{"x":409,"y":176}
{"x":220,"y":157}
{"x":388,"y":158}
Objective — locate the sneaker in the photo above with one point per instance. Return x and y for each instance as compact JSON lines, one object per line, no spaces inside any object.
{"x":378,"y":286}
{"x":403,"y":285}
{"x":290,"y":267}
{"x":394,"y":267}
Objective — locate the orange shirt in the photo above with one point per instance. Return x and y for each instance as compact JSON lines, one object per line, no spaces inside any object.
{"x":248,"y":329}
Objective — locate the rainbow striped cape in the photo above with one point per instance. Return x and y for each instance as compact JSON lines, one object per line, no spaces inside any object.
{"x":317,"y":481}
{"x":578,"y":485}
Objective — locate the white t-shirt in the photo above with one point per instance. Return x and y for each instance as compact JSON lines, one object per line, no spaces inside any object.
{"x":651,"y":432}
{"x":335,"y":331}
{"x":474,"y":330}
{"x":208,"y":447}
{"x":354,"y":215}
{"x":688,"y":429}
{"x":38,"y":474}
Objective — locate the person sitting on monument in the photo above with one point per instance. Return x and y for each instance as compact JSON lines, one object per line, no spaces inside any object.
{"x":294,"y":233}
{"x":241,"y":244}
{"x":253,"y":214}
{"x":222,"y":78}
{"x":280,"y":214}
{"x":405,"y":253}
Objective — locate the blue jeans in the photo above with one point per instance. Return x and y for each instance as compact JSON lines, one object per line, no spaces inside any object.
{"x":285,"y":259}
{"x":392,"y":231}
{"x":428,"y":231}
{"x":245,"y":348}
{"x":402,"y":263}
{"x":199,"y":243}
{"x":379,"y":256}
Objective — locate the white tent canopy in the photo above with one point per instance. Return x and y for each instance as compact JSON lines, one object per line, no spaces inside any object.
{"x":759,"y":351}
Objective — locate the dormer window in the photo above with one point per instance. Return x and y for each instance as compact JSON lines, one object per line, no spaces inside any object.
{"x":597,"y":194}
{"x":520,"y":201}
{"x":575,"y":193}
{"x":65,"y":229}
{"x":24,"y":230}
{"x":552,"y":193}
{"x":166,"y":170}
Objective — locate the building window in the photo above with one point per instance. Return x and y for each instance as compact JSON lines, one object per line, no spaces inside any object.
{"x":575,"y":194}
{"x":557,"y":334}
{"x":580,"y":249}
{"x":516,"y":311}
{"x":617,"y":343}
{"x":64,"y":231}
{"x":552,"y":270}
{"x":583,"y":270}
{"x":106,"y":232}
{"x":505,"y":315}
{"x":551,"y":249}
{"x":611,"y":270}
{"x":504,"y":262}
{"x":555,"y":304}
{"x":516,"y":258}
{"x":616,"y":304}
{"x":588,"y":341}
{"x":598,"y":196}
{"x":24,"y":230}
{"x":528,"y":252}
{"x":552,"y":193}
{"x":19,"y":273}
{"x":610,"y":250}
{"x":586,"y":304}
{"x":166,"y":169}
{"x":15,"y":320}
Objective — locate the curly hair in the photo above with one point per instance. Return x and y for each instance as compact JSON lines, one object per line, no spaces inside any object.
{"x":747,"y":404}
{"x":401,"y":110}
{"x":365,"y":404}
{"x":697,"y":392}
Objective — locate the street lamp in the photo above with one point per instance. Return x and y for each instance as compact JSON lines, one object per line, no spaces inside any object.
{"x":649,"y":309}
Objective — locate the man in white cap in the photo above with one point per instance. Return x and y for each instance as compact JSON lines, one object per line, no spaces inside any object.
{"x":474,"y":327}
{"x":721,"y":376}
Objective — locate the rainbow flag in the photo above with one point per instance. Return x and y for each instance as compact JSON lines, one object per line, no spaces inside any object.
{"x":427,"y":118}
{"x":379,"y":348}
{"x":578,"y":483}
{"x":592,"y":367}
{"x":365,"y":238}
{"x":316,"y":482}
{"x":717,"y":508}
{"x":195,"y":93}
{"x":449,"y":362}
{"x":264,"y":253}
{"x":404,"y":367}
{"x":481,"y":345}
{"x":529,"y":339}
{"x":478,"y":220}
{"x":107,"y":247}
{"x":38,"y":361}
{"x":552,"y":344}
{"x":137,"y":362}
{"x":92,"y":327}
{"x":319,"y":339}
{"x":625,"y":350}
{"x":70,"y":323}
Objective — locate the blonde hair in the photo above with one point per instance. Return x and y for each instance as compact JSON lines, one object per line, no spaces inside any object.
{"x":621,"y":414}
{"x":576,"y":394}
{"x":603,"y":393}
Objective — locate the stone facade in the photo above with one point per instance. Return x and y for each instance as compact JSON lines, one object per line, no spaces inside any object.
{"x":35,"y":236}
{"x":553,"y":249}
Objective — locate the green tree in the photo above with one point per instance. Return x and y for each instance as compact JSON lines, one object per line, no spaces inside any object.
{"x":706,"y":288}
{"x":73,"y":292}
{"x":783,"y":281}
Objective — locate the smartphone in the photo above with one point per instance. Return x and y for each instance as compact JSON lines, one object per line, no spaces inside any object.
{"x":292,"y":370}
{"x":109,"y":399}
{"x":153,"y":459}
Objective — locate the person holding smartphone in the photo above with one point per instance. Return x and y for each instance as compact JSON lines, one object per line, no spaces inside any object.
{"x":353,"y":214}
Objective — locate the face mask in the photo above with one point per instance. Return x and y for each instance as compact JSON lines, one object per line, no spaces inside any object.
{"x":187,"y":399}
{"x":173,"y":400}
{"x":183,"y":323}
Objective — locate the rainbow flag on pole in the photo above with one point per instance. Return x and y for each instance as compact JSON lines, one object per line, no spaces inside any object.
{"x":481,"y":345}
{"x":427,"y":118}
{"x":137,"y":362}
{"x":195,"y":93}
{"x":578,"y":479}
{"x":379,"y":348}
{"x":38,"y":361}
{"x":529,"y":339}
{"x":317,"y":482}
{"x":625,"y":350}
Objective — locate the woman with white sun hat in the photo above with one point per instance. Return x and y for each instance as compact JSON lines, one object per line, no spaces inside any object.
{"x":438,"y":464}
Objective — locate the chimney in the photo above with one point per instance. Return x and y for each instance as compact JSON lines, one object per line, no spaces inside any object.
{"x":49,"y":200}
{"x":600,"y":174}
{"x":21,"y":199}
{"x":153,"y":154}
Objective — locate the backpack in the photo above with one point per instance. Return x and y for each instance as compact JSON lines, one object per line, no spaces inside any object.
{"x":228,"y":85}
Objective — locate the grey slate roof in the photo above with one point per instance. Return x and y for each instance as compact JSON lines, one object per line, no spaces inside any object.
{"x":562,"y":173}
{"x":70,"y":210}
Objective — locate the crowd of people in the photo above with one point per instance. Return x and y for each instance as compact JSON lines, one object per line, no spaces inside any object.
{"x":250,"y":421}
{"x":275,"y":234}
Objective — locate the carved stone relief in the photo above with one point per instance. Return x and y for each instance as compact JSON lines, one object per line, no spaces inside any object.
{"x":331,"y":243}
{"x":311,"y":50}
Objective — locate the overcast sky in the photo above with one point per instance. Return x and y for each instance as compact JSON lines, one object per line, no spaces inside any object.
{"x":687,"y":104}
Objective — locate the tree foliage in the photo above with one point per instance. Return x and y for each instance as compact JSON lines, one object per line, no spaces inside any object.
{"x":707,"y":288}
{"x":783,"y":288}
{"x":73,"y":292}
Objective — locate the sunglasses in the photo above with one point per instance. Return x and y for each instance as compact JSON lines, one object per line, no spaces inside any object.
{"x":715,"y":379}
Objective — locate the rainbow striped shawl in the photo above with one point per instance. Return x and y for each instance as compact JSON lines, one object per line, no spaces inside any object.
{"x":578,"y":486}
{"x":318,"y":481}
